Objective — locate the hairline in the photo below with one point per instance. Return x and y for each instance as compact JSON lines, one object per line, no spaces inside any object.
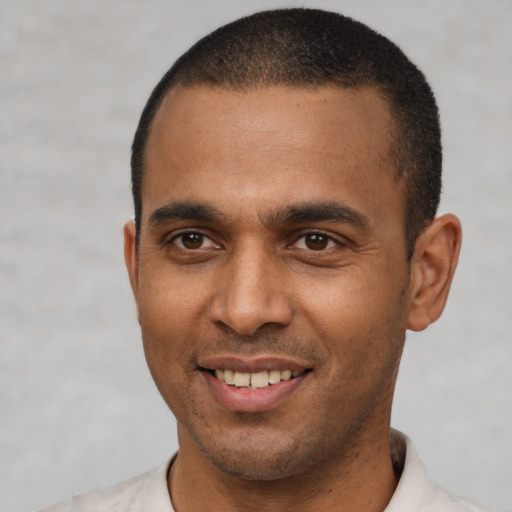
{"x":393,"y":150}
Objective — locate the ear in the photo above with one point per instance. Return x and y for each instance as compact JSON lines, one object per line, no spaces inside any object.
{"x":432,"y":268}
{"x":131,"y":258}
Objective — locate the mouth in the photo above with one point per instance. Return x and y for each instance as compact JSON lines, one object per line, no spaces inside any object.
{"x":256,"y":380}
{"x":253,"y":384}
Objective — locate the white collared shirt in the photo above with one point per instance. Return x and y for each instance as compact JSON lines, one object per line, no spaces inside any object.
{"x":149,"y":492}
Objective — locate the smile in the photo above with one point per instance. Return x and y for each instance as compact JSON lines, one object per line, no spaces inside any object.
{"x":257,"y":380}
{"x":256,"y":385}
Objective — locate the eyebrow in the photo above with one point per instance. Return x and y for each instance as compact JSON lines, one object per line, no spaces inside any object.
{"x":295,"y":213}
{"x":184,"y":210}
{"x":320,"y":212}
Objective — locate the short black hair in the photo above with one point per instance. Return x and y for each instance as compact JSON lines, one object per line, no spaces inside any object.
{"x":311,"y":48}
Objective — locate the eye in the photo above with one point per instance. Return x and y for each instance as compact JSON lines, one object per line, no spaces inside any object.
{"x":315,"y":242}
{"x":192,"y":240}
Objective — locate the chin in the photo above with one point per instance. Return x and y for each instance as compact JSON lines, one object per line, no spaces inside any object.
{"x":256,"y":467}
{"x":260,"y":458}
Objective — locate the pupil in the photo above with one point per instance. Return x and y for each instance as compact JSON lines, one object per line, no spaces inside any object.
{"x":316,"y":242}
{"x":192,"y":240}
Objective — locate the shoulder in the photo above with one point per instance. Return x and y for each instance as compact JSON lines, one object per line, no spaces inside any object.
{"x":415,"y":491}
{"x":445,"y":501}
{"x":144,"y":492}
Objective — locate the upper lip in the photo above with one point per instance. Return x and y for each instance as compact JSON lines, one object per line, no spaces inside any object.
{"x":252,"y":364}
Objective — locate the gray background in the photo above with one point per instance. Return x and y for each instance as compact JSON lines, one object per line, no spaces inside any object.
{"x":78,"y":408}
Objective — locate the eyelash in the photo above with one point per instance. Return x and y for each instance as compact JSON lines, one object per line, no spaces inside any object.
{"x":330,"y":241}
{"x":182,"y":234}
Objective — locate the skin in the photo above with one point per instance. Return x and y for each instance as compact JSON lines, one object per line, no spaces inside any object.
{"x":249,"y":282}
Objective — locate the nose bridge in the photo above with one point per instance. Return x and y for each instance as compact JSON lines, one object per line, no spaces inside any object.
{"x":252,"y":292}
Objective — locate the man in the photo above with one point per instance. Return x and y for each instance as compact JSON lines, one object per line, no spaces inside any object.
{"x":286,"y":174}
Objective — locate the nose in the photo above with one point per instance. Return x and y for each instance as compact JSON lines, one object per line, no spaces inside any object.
{"x":251,"y":293}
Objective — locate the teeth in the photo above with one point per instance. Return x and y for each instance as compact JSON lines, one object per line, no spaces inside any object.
{"x":259,"y":380}
{"x":242,"y":380}
{"x":274,"y":377}
{"x":286,"y":375}
{"x":229,"y":377}
{"x":255,"y":380}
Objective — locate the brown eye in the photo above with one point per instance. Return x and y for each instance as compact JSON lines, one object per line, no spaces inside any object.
{"x":316,"y":241}
{"x":192,"y":240}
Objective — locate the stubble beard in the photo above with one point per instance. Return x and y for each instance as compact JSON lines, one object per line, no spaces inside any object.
{"x":281,"y":455}
{"x":259,"y":452}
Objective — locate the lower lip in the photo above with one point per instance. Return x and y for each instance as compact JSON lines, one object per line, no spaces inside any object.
{"x":252,"y":400}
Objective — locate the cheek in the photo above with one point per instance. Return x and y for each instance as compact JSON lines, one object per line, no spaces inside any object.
{"x":358,"y":316}
{"x":169,"y":302}
{"x":352,"y":297}
{"x":169,"y":319}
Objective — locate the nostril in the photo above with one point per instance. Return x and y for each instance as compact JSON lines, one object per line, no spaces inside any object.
{"x":249,"y":298}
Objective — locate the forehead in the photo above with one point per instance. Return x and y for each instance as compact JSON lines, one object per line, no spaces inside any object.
{"x":270,"y":145}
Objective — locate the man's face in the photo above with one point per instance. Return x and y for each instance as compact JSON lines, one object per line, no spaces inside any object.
{"x":272,"y":241}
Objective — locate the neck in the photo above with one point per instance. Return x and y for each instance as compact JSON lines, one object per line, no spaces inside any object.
{"x":359,"y":479}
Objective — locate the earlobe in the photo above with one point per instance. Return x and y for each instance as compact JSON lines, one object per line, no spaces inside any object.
{"x":432,"y":269}
{"x":131,"y":259}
